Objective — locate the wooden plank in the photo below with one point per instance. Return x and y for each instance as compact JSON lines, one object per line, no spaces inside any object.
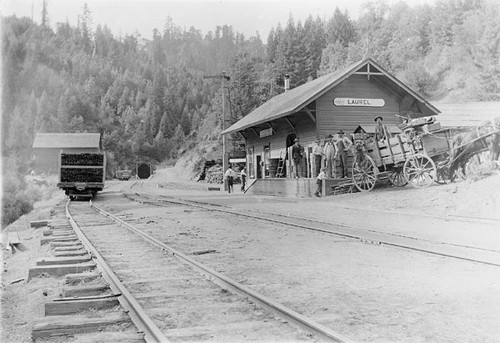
{"x":38,"y":223}
{"x":80,"y":252}
{"x":65,"y":244}
{"x":401,"y":146}
{"x":390,"y":151}
{"x":90,"y":297}
{"x":75,"y":247}
{"x":75,"y":279}
{"x":66,"y":239}
{"x":60,"y":270}
{"x":60,"y":226}
{"x":111,"y":337}
{"x":377,"y":148}
{"x":45,"y":261}
{"x":58,"y":233}
{"x":71,"y":325}
{"x":14,"y":238}
{"x":186,"y":334}
{"x":85,"y":291}
{"x":73,"y":307}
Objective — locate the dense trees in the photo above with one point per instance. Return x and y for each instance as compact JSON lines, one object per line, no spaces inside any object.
{"x":150,"y":102}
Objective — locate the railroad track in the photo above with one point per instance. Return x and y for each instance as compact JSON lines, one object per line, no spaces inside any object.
{"x":365,"y":234}
{"x":332,"y":302}
{"x":169,"y":302}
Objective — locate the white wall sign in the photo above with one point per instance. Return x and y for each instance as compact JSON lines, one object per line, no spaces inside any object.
{"x":266,"y":132}
{"x":359,"y":102}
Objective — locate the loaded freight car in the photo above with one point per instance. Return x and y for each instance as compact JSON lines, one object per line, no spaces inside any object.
{"x":81,"y":174}
{"x":123,"y":175}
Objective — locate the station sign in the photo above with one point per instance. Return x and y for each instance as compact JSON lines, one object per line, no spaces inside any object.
{"x":357,"y":102}
{"x":266,"y":132}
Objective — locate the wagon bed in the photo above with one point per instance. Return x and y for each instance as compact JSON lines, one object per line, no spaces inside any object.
{"x":409,"y":157}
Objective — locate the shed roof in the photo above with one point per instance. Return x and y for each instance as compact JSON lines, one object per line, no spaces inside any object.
{"x":467,"y":114}
{"x":297,"y":98}
{"x":66,"y":140}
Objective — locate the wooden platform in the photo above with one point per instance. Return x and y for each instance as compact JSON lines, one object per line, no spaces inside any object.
{"x":297,"y":188}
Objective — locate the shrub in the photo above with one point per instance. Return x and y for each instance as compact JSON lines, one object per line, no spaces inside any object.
{"x":16,"y":201}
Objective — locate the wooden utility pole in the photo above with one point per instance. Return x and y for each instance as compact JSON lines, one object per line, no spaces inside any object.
{"x":222,"y":76}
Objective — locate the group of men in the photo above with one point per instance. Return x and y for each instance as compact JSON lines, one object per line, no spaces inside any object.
{"x":333,"y":150}
{"x":230,"y":175}
{"x":324,"y":156}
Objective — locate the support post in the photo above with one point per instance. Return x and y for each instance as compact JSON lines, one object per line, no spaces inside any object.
{"x":222,"y":76}
{"x":224,"y":157}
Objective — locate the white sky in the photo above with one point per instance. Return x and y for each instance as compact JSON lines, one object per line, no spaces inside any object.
{"x":142,"y":16}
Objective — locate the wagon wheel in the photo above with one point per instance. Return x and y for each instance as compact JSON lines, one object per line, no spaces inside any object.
{"x":420,"y":170}
{"x":364,"y":174}
{"x":397,"y":177}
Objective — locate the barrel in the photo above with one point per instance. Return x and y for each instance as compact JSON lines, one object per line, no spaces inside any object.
{"x":272,"y":166}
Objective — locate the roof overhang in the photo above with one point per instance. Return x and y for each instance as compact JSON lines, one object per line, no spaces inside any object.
{"x":297,"y":99}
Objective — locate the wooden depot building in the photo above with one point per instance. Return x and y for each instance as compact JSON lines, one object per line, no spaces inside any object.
{"x":349,"y":99}
{"x":47,"y":147}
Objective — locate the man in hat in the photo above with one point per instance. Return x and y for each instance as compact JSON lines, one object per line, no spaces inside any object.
{"x":330,"y":152}
{"x":229,"y":178}
{"x":317,"y":152}
{"x":381,"y":130}
{"x":297,"y":152}
{"x":343,"y":145}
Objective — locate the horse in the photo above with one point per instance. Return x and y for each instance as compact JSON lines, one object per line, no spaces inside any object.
{"x":494,"y":141}
{"x":467,"y":144}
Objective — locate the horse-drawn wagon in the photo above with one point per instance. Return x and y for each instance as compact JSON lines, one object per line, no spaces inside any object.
{"x":409,"y":157}
{"x":422,"y":154}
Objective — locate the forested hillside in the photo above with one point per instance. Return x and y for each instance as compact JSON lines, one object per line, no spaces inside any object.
{"x":149,"y":98}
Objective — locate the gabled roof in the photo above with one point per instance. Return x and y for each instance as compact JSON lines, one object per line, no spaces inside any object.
{"x":66,"y":140}
{"x":297,"y":98}
{"x":467,"y":114}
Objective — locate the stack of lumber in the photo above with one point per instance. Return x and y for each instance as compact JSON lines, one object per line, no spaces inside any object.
{"x":214,"y":174}
{"x":81,"y":174}
{"x":88,"y":159}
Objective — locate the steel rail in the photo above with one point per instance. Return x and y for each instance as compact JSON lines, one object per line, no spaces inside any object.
{"x":354,"y":235}
{"x":450,"y":217}
{"x":230,"y":284}
{"x":137,"y":314}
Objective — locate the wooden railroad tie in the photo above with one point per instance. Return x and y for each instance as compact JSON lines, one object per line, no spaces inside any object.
{"x":86,"y":291}
{"x":81,"y":278}
{"x":38,"y":223}
{"x":75,"y":306}
{"x":60,"y":270}
{"x":71,"y":325}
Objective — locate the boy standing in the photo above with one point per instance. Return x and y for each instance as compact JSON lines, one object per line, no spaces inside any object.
{"x":319,"y":181}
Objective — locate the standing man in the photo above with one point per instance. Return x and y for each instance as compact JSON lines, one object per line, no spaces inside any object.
{"x":297,"y":152}
{"x":330,"y":152}
{"x":243,"y":176}
{"x":229,"y":176}
{"x":381,"y":130}
{"x":318,"y":154}
{"x":343,"y":145}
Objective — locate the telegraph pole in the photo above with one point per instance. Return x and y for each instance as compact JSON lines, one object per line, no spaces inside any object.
{"x":224,"y":79}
